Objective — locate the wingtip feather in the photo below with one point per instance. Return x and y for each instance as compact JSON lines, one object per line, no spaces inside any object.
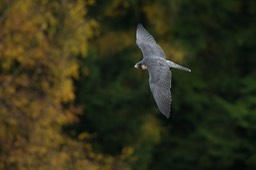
{"x":167,"y":116}
{"x":140,"y":25}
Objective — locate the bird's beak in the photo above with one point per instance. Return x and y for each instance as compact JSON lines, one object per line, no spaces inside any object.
{"x":136,"y":66}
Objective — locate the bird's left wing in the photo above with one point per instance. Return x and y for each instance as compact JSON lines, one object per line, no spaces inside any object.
{"x":147,"y":43}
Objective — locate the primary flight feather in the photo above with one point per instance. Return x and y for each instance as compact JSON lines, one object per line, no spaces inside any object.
{"x":154,"y":60}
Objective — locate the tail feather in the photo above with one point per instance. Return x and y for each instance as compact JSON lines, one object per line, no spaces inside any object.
{"x":177,"y":66}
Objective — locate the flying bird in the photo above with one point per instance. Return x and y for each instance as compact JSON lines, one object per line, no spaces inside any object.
{"x":159,"y":68}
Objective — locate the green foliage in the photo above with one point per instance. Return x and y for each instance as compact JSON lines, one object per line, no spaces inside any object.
{"x":213,"y":121}
{"x":218,"y":115}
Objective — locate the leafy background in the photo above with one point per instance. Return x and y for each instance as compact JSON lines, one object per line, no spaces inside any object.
{"x":71,"y":99}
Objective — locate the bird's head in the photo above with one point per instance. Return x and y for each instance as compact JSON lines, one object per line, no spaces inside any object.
{"x":140,"y":65}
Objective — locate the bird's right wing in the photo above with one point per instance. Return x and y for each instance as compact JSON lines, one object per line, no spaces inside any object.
{"x":147,"y":43}
{"x":160,"y":84}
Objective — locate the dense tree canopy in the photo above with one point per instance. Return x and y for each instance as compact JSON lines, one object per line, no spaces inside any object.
{"x":39,"y":44}
{"x":70,"y":98}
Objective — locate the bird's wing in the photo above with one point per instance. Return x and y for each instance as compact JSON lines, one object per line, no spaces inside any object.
{"x":147,"y":43}
{"x":160,"y":84}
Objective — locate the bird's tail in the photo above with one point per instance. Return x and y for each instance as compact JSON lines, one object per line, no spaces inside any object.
{"x":177,"y":66}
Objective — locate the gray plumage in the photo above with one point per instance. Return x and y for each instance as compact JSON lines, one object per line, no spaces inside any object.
{"x":154,"y":60}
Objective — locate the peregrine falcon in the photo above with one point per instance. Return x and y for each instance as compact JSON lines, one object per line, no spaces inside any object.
{"x":159,"y":68}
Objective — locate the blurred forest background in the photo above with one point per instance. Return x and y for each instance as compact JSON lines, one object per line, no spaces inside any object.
{"x":71,"y":99}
